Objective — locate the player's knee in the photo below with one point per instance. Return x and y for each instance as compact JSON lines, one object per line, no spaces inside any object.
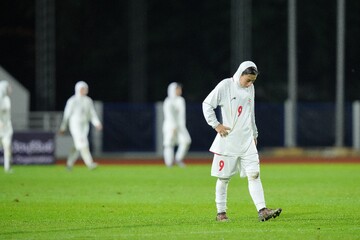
{"x":224,"y":180}
{"x":253,"y":175}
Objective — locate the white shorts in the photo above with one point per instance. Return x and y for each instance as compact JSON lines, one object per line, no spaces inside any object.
{"x":172,"y":139}
{"x":80,"y":142}
{"x":228,"y":166}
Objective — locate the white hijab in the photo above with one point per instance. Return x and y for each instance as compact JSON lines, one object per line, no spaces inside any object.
{"x":171,"y":91}
{"x":243,"y":66}
{"x":78,"y":86}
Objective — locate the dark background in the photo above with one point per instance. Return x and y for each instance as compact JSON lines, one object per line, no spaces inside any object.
{"x":187,"y":41}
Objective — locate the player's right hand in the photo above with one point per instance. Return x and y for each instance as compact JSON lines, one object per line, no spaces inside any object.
{"x":222,"y":130}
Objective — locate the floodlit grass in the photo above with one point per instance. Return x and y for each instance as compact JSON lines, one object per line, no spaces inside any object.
{"x":153,"y":202}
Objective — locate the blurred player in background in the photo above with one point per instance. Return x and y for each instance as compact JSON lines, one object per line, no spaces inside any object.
{"x":6,"y":129}
{"x":234,"y":146}
{"x":175,"y":132}
{"x":79,"y":112}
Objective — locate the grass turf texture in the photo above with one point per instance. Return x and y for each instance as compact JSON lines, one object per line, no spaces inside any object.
{"x":153,"y":202}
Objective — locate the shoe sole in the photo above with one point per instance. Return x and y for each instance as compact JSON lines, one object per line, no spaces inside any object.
{"x":276,"y":214}
{"x":219,"y":219}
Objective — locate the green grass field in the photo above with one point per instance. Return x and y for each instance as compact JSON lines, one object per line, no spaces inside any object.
{"x":152,"y":202}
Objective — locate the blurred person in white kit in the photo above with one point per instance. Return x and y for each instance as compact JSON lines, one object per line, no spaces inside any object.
{"x":175,"y":132}
{"x":6,"y":129}
{"x":79,"y":112}
{"x":234,"y":146}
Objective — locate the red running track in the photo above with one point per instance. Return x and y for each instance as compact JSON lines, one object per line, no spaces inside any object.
{"x":264,"y":160}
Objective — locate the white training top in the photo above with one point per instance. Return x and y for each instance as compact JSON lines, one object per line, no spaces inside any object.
{"x":79,"y":111}
{"x":237,"y":111}
{"x":174,"y":109}
{"x":6,"y":129}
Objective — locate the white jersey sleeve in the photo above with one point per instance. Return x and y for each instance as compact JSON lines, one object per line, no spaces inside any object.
{"x":211,"y":102}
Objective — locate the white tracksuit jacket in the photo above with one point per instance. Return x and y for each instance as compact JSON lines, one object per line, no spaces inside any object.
{"x":79,"y":112}
{"x":237,"y":111}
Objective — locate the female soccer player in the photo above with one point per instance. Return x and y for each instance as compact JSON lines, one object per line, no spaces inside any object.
{"x":174,"y":127}
{"x":79,"y":112}
{"x":6,"y":129}
{"x":234,"y":146}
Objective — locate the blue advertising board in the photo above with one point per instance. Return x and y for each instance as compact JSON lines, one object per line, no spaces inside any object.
{"x":32,"y":148}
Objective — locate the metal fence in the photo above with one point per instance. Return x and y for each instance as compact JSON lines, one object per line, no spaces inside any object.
{"x":47,"y":121}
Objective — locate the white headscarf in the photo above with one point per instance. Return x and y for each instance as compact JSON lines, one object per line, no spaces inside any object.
{"x":171,"y":91}
{"x":78,"y":86}
{"x":243,"y":66}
